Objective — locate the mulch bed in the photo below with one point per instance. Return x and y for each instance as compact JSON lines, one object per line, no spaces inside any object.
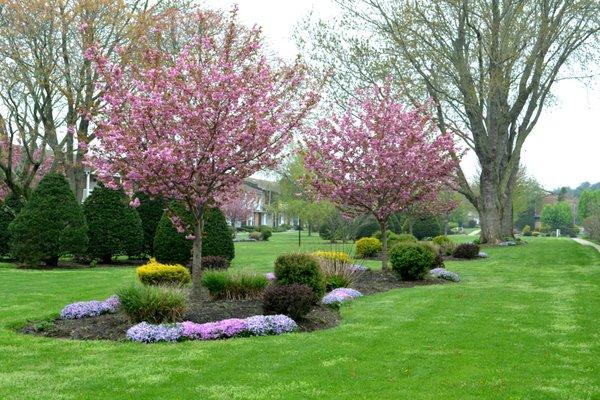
{"x":114,"y":326}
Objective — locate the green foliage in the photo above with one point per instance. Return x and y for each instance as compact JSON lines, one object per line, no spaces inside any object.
{"x":216,"y":239}
{"x":526,"y":230}
{"x":222,"y":285}
{"x":446,"y":245}
{"x":402,"y":237}
{"x":412,"y":261}
{"x":294,"y":300}
{"x":426,"y":227}
{"x":256,"y":235}
{"x":114,"y":227}
{"x":266,"y":232}
{"x":558,"y":216}
{"x":302,"y":269}
{"x":155,"y":273}
{"x":50,"y":225}
{"x":368,"y":247}
{"x":588,"y":200}
{"x":336,"y":228}
{"x":466,"y":250}
{"x":367,"y":226}
{"x":170,"y":246}
{"x":441,"y":240}
{"x":150,"y":211}
{"x":153,"y":304}
{"x":9,"y":209}
{"x":214,"y":262}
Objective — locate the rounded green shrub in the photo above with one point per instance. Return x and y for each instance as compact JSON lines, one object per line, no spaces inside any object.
{"x":295,"y":300}
{"x":302,"y":269}
{"x":403,"y":237}
{"x":150,"y":211}
{"x":256,"y":235}
{"x":214,"y":262}
{"x":368,"y":247}
{"x":526,"y":230}
{"x":216,"y":239}
{"x":114,"y":227}
{"x":441,"y":240}
{"x":170,"y":246}
{"x":446,"y":244}
{"x":266,"y":232}
{"x":426,"y":227}
{"x":466,"y":250}
{"x":412,"y":261}
{"x":50,"y":225}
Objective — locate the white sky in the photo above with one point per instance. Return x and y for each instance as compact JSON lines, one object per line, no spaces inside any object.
{"x":562,"y":150}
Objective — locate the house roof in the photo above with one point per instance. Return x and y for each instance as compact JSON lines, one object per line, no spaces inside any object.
{"x":263,"y":184}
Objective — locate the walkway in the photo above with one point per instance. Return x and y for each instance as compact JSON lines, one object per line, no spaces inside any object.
{"x":587,"y":243}
{"x":475,"y":232}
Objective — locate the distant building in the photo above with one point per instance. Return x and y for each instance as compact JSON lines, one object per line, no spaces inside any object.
{"x":266,"y":193}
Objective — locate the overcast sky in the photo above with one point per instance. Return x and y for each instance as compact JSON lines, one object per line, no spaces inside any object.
{"x":562,"y":150}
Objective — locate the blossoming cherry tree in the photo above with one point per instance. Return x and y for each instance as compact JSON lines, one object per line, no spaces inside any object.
{"x":193,"y":126}
{"x":379,"y":157}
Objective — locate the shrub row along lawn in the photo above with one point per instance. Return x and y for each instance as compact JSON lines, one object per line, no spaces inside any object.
{"x":523,"y":324}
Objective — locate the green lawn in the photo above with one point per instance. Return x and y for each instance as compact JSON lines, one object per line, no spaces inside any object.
{"x":523,"y":324}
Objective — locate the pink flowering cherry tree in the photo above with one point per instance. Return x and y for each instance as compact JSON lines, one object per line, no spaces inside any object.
{"x":192,"y":126}
{"x":239,"y":207}
{"x":379,"y":157}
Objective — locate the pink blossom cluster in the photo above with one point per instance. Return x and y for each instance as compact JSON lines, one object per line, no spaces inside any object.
{"x":193,"y":128}
{"x":380,"y":156}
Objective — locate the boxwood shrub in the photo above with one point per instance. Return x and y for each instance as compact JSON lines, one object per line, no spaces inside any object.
{"x":412,"y":261}
{"x":368,"y":247}
{"x":302,"y":269}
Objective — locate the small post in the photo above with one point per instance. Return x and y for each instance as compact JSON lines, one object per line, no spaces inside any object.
{"x":299,"y":232}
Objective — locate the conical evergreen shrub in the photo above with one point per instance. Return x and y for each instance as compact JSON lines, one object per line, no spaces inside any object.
{"x":9,"y":209}
{"x":217,"y":240}
{"x":50,"y":225}
{"x":114,"y":226}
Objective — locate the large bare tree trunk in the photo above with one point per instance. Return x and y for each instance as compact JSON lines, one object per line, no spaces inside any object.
{"x":196,"y":292}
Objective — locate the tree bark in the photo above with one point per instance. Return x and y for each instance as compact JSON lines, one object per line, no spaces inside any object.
{"x":384,"y":245}
{"x":196,"y":292}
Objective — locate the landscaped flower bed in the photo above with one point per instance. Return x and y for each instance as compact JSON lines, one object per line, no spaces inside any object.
{"x":258,"y":325}
{"x":92,"y":308}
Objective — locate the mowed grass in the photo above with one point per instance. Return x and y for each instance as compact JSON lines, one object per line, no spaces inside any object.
{"x":523,"y":324}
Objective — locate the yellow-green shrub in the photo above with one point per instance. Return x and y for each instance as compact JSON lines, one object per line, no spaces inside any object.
{"x":332,"y":255}
{"x":155,"y":273}
{"x":368,"y":247}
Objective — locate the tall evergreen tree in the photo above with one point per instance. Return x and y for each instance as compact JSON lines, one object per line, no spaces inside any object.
{"x":150,"y":211}
{"x":50,"y":225}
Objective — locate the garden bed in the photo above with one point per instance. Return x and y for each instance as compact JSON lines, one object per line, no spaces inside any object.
{"x":114,"y":326}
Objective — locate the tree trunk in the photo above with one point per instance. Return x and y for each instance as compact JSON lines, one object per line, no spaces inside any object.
{"x":196,"y":292}
{"x":384,"y":245}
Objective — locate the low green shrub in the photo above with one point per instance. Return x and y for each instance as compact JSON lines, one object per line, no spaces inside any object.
{"x":256,"y":235}
{"x":153,"y":304}
{"x":222,"y":285}
{"x":266,"y":232}
{"x":441,"y":240}
{"x":368,"y":247}
{"x":438,"y":252}
{"x":446,"y":245}
{"x":526,"y":230}
{"x":302,"y":269}
{"x":466,"y":250}
{"x":295,"y":300}
{"x":412,"y":261}
{"x":215,"y":262}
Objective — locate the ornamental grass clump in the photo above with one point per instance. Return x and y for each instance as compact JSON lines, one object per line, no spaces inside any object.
{"x":222,"y":285}
{"x":445,"y":274}
{"x":155,"y":273}
{"x":154,"y":304}
{"x":337,"y":273}
{"x":339,"y":296}
{"x":92,"y":308}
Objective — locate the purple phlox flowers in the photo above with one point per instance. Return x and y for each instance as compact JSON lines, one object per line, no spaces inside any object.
{"x":149,"y":333}
{"x":270,"y":276}
{"x":258,"y":325}
{"x":340,"y":295}
{"x":445,"y":274}
{"x":92,"y":308}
